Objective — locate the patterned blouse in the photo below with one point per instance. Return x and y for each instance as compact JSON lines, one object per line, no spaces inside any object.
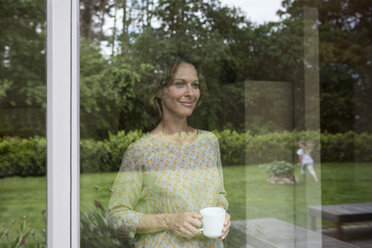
{"x":155,"y":177}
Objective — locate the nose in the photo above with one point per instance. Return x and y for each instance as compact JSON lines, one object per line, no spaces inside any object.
{"x":190,"y":91}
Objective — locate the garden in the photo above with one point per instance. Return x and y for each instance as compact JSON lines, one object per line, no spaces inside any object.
{"x":24,"y":199}
{"x":250,"y":194}
{"x":257,"y":104}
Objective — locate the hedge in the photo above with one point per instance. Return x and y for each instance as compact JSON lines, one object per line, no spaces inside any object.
{"x":27,"y":157}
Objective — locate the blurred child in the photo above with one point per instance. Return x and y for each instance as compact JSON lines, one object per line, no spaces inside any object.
{"x":305,"y":160}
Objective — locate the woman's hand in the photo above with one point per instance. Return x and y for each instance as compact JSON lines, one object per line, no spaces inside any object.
{"x":185,"y":224}
{"x":226,"y":226}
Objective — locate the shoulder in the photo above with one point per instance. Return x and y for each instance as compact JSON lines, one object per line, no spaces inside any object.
{"x":208,"y":137}
{"x":139,"y":146}
{"x":141,"y":143}
{"x":135,"y":154}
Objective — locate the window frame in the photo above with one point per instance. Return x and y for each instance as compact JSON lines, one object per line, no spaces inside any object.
{"x":63,"y":167}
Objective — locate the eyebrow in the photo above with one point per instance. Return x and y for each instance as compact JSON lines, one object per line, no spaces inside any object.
{"x":197,"y":80}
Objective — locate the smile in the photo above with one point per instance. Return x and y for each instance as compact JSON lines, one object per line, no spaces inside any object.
{"x":187,"y":104}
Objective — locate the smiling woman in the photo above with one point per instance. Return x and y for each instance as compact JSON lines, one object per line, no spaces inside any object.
{"x":179,"y":99}
{"x":171,"y":173}
{"x":176,"y":76}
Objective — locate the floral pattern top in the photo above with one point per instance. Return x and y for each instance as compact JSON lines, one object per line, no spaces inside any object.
{"x":155,"y":177}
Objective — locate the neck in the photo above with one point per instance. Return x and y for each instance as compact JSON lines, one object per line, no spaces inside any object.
{"x":169,"y":128}
{"x":172,"y":125}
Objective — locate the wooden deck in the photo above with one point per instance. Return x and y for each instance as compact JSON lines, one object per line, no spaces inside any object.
{"x":274,"y":233}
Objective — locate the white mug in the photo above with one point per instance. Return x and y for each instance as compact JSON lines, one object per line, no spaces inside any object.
{"x":213,"y":221}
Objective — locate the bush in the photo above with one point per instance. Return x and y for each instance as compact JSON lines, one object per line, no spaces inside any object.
{"x":27,"y":157}
{"x":22,"y":157}
{"x":95,"y":231}
{"x":105,"y":156}
{"x":231,"y":146}
{"x":279,"y":169}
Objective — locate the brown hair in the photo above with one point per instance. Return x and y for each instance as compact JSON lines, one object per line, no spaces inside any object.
{"x":164,"y":77}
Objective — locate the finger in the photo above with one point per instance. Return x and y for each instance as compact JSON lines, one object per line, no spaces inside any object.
{"x":197,"y":215}
{"x":226,"y":228}
{"x":225,"y":234}
{"x":190,"y":228}
{"x":227,"y":219}
{"x":184,"y":232}
{"x":196,"y":223}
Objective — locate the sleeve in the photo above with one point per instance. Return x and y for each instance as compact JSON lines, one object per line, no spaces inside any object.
{"x":299,"y":152}
{"x":222,"y":192}
{"x":126,"y":192}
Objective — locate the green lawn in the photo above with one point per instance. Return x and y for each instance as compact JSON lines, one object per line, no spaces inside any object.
{"x":249,"y":195}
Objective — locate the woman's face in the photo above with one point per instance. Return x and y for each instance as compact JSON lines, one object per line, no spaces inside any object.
{"x":181,"y":96}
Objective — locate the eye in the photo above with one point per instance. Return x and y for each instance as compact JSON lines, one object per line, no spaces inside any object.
{"x":195,"y":85}
{"x":179,"y":84}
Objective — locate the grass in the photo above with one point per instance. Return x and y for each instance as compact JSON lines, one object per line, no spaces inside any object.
{"x":249,"y":195}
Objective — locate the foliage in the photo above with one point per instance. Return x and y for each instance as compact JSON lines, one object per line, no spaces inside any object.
{"x":231,"y":146}
{"x":22,"y":67}
{"x":25,"y":236}
{"x":100,"y":156}
{"x":27,"y":157}
{"x":118,"y":65}
{"x":22,"y":157}
{"x":95,"y":231}
{"x":279,"y":169}
{"x":344,"y":60}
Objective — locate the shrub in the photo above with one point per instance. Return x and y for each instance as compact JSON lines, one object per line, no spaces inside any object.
{"x":22,"y":157}
{"x":279,"y":169}
{"x":27,"y":157}
{"x":95,"y":232}
{"x":105,"y":156}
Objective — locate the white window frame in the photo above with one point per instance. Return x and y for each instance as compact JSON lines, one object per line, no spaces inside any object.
{"x":63,"y":167}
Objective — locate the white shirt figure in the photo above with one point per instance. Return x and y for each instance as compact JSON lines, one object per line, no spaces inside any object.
{"x":306,"y":158}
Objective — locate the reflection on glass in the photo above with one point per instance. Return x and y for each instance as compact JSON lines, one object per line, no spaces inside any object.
{"x":287,"y":100}
{"x":22,"y":124}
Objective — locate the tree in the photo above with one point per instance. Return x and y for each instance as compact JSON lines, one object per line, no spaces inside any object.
{"x":345,"y":61}
{"x":22,"y":67}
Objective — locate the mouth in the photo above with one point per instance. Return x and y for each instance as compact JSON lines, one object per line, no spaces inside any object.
{"x":187,"y":104}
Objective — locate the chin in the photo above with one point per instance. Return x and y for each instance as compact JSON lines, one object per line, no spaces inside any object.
{"x":185,"y":114}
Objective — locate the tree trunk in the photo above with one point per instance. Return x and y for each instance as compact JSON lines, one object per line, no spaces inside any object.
{"x":86,"y":19}
{"x":114,"y":29}
{"x":124,"y":35}
{"x":102,"y":19}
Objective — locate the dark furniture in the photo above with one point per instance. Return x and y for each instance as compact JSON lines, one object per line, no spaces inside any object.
{"x":342,"y":213}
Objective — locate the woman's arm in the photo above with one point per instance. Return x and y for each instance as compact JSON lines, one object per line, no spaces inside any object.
{"x":127,"y":191}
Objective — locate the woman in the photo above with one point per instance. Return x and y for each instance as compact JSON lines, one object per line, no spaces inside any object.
{"x":305,"y":160}
{"x":171,"y":173}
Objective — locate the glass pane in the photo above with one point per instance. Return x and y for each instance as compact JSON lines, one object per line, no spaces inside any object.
{"x":286,"y":98}
{"x":22,"y":124}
